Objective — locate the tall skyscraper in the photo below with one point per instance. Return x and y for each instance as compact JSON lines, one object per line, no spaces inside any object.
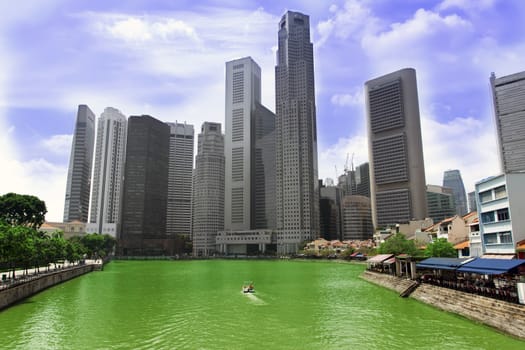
{"x":297,"y":180}
{"x":357,"y":218}
{"x":249,"y":150}
{"x":180,"y":173}
{"x":397,"y":170}
{"x":76,"y":206}
{"x":208,"y":190}
{"x":110,"y":154}
{"x":452,"y":179}
{"x":145,"y":189}
{"x":509,"y":106}
{"x":472,"y":201}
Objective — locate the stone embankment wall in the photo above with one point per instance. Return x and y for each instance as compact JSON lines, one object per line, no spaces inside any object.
{"x":14,"y":294}
{"x":504,"y":316}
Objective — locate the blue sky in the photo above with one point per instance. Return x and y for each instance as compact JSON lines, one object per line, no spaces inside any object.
{"x":166,"y":59}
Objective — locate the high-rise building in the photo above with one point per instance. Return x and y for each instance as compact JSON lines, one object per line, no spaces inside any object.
{"x":440,"y":203}
{"x":180,"y":173}
{"x":108,"y":177}
{"x":397,"y":170}
{"x":472,"y":201}
{"x":144,"y":200}
{"x":249,"y":150}
{"x":509,"y":106}
{"x":76,"y":206}
{"x":357,"y":218}
{"x":208,"y":190}
{"x":330,"y":218}
{"x":452,"y":179}
{"x":297,"y":180}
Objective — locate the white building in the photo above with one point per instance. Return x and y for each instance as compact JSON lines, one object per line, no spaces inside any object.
{"x":501,"y":205}
{"x":108,"y":177}
{"x":180,"y":172}
{"x":208,"y":190}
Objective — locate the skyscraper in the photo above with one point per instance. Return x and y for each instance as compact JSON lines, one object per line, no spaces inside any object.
{"x":249,"y":150}
{"x":452,"y":179}
{"x":108,"y":177}
{"x":509,"y":107}
{"x":180,"y":173}
{"x":145,"y":188}
{"x":440,"y":203}
{"x":357,"y":218}
{"x":78,"y":186}
{"x":297,"y":180}
{"x":397,"y":170}
{"x":208,"y":190}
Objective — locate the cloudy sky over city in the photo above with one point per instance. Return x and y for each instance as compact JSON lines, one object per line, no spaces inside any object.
{"x":166,"y":59}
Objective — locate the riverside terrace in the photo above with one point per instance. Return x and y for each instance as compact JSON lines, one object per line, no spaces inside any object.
{"x":493,"y":278}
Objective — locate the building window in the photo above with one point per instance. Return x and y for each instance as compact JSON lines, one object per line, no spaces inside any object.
{"x":487,"y":217}
{"x":503,"y":214}
{"x":491,"y":238}
{"x":505,"y":237}
{"x":500,"y":192}
{"x":485,"y":196}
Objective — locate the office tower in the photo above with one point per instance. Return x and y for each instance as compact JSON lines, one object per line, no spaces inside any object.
{"x":357,"y":218}
{"x":440,"y":203}
{"x":110,"y":154}
{"x":452,"y":179}
{"x":297,"y":181}
{"x":472,"y":201}
{"x":178,"y":216}
{"x":362,"y":180}
{"x":249,"y":150}
{"x":208,"y":190}
{"x":145,"y":189}
{"x":509,"y":106}
{"x":397,"y":170}
{"x":330,"y":214}
{"x":78,"y":186}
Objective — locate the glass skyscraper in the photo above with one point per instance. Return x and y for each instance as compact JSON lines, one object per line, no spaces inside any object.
{"x":452,"y":179}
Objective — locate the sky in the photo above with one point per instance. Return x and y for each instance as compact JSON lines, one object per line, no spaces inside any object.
{"x":167,"y":59}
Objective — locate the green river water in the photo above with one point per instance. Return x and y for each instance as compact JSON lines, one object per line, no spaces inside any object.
{"x":199,"y":305}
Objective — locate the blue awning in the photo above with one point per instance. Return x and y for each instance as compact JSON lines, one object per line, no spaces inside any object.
{"x":441,"y":263}
{"x":491,"y":266}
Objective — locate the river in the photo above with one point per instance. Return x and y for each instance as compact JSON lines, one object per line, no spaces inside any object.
{"x":199,"y":305}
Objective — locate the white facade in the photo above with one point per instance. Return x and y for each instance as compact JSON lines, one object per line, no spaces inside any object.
{"x":108,"y":177}
{"x":180,"y":172}
{"x":208,"y":190}
{"x":501,"y":204}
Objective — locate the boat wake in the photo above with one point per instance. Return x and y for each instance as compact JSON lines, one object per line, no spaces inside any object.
{"x":255,"y":299}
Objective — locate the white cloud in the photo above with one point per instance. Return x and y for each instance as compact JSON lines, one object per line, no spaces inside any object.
{"x":58,"y":144}
{"x":466,"y":4}
{"x":466,"y":144}
{"x":334,"y":156}
{"x":343,"y":100}
{"x":145,"y":29}
{"x":353,"y":20}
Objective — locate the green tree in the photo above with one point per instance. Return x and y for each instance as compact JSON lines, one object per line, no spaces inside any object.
{"x":398,"y":244}
{"x":22,"y":210}
{"x":441,"y":248}
{"x":97,"y":245}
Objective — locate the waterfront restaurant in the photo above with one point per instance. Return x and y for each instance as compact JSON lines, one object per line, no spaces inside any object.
{"x":494,"y":278}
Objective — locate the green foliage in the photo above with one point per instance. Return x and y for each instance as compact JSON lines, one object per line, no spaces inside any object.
{"x":97,"y":245}
{"x":22,"y":210}
{"x":441,"y":248}
{"x":398,"y":244}
{"x":346,"y":253}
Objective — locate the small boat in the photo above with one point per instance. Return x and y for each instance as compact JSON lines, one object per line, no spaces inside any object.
{"x":248,"y":287}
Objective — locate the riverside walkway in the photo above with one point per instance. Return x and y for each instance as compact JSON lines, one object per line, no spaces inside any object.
{"x":24,"y":276}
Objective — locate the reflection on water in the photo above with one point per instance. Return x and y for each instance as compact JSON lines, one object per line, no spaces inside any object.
{"x":198,"y":305}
